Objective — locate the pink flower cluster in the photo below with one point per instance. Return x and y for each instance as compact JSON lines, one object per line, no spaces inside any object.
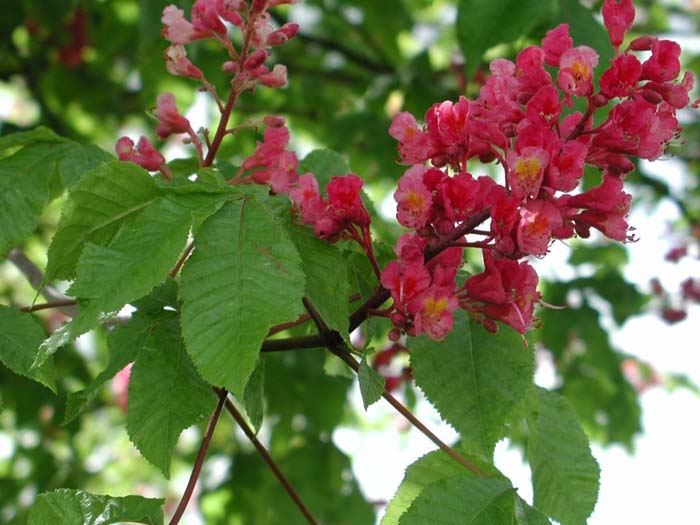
{"x":524,"y":120}
{"x":215,"y":19}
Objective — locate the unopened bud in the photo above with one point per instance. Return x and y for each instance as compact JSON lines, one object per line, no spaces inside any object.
{"x":651,"y":96}
{"x":643,"y":43}
{"x":255,"y":60}
{"x":600,"y":100}
{"x":398,"y":319}
{"x":230,"y":67}
{"x":259,"y":6}
{"x":289,"y":29}
{"x":276,"y":38}
{"x":276,"y":78}
{"x":274,"y":121}
{"x":394,"y":334}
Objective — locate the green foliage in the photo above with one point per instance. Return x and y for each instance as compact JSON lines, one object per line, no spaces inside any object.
{"x":75,"y":507}
{"x":371,"y":384}
{"x":565,"y":474}
{"x":481,"y":24}
{"x":20,"y":337}
{"x":463,"y":500}
{"x":475,"y":379}
{"x":166,"y":395}
{"x":253,"y":395}
{"x":244,"y":276}
{"x":98,"y":208}
{"x":326,"y":272}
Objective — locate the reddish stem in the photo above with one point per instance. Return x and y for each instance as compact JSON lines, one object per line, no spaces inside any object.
{"x":46,"y":306}
{"x":181,"y":260}
{"x":270,"y":462}
{"x":194,"y":475}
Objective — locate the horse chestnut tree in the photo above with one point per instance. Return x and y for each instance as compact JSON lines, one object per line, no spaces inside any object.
{"x":202,"y":272}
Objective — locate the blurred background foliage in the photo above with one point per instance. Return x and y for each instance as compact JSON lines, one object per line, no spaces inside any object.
{"x":90,"y":69}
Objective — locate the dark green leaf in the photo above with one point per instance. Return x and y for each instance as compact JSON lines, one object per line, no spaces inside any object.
{"x":75,"y":507}
{"x":527,"y":515}
{"x":481,"y":24}
{"x":324,"y":163}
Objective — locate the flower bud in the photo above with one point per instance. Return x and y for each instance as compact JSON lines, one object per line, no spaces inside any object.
{"x":643,"y":43}
{"x":230,"y":67}
{"x":274,"y":121}
{"x":600,"y":100}
{"x":255,"y":60}
{"x":651,"y":96}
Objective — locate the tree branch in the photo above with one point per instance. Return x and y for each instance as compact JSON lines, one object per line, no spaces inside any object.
{"x":270,"y":462}
{"x":197,"y":468}
{"x":335,"y":344}
{"x":35,"y":277}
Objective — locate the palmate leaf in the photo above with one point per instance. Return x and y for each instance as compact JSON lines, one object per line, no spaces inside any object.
{"x":474,"y":378}
{"x":20,"y":337}
{"x":166,"y":395}
{"x":565,"y":474}
{"x":243,"y":276}
{"x":76,"y":507}
{"x":463,"y":500}
{"x":98,"y":207}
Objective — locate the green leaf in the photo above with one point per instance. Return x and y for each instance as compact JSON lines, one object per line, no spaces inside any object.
{"x":253,"y":395}
{"x":244,"y":276}
{"x":371,"y":384}
{"x":98,"y":207}
{"x":605,"y":256}
{"x":20,"y":337}
{"x":138,"y":260}
{"x":76,"y":507}
{"x":463,"y":500}
{"x":481,"y":24}
{"x":527,"y":515}
{"x":474,"y":378}
{"x":78,"y":161}
{"x":327,"y":280}
{"x":428,"y":469}
{"x":24,"y":138}
{"x":565,"y":474}
{"x":166,"y":396}
{"x":124,"y":344}
{"x":24,"y":191}
{"x":324,"y":163}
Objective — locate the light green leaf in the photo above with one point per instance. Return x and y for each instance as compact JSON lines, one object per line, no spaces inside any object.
{"x":371,"y":384}
{"x":463,"y":500}
{"x":481,"y":24}
{"x":527,"y":515}
{"x":138,"y":260}
{"x":565,"y":474}
{"x":327,"y":280}
{"x":20,"y":139}
{"x":78,"y":160}
{"x":24,"y":191}
{"x":474,"y":378}
{"x":20,"y":337}
{"x":75,"y":507}
{"x":244,"y":276}
{"x":253,"y":395}
{"x":428,"y":469}
{"x":98,"y":207}
{"x":166,"y":396}
{"x":124,"y":343}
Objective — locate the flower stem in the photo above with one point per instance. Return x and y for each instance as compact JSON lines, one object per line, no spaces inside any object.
{"x":270,"y":462}
{"x":197,"y":468}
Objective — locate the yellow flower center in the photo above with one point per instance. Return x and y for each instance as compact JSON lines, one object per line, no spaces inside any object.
{"x":528,"y":168}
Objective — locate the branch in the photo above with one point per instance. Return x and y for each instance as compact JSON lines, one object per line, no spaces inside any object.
{"x":270,"y":462}
{"x":46,"y":306}
{"x":197,"y":468}
{"x":334,"y":343}
{"x":35,"y":277}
